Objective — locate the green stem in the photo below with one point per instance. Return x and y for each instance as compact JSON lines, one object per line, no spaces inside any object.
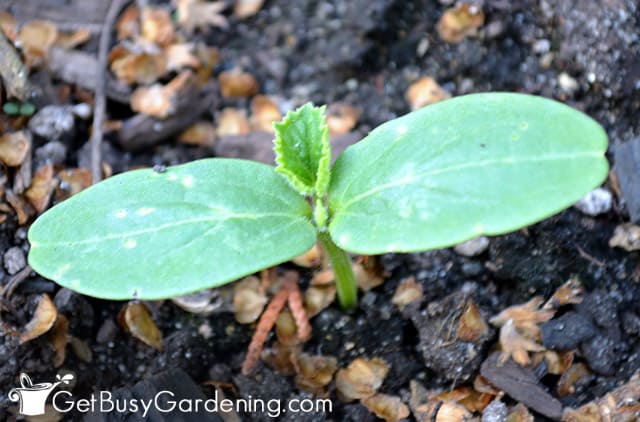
{"x":341,"y":263}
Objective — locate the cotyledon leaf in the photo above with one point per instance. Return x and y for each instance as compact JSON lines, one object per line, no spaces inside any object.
{"x":154,"y":235}
{"x":476,"y":164}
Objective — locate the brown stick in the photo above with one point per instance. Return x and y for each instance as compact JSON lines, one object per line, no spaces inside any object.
{"x":100,"y":101}
{"x":266,"y":323}
{"x":144,"y":131}
{"x":16,"y":280}
{"x":297,"y":310}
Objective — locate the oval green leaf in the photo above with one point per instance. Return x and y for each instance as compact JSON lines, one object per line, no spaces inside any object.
{"x":153,"y":235}
{"x":476,"y":164}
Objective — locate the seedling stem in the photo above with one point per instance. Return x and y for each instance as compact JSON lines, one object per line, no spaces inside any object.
{"x":344,"y":278}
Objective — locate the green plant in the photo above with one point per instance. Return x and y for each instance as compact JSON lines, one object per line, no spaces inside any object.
{"x":476,"y":164}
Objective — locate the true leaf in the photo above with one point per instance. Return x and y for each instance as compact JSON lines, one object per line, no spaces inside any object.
{"x":476,"y":164}
{"x":303,"y":154}
{"x":153,"y":235}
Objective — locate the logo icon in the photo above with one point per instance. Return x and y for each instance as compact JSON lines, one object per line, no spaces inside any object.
{"x":32,"y":397}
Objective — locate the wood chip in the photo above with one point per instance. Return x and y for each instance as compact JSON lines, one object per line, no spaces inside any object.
{"x":626,"y":236}
{"x":141,"y":68}
{"x":620,"y":404}
{"x":143,"y":131}
{"x":249,"y":300}
{"x":566,"y":383}
{"x":282,"y":357}
{"x":202,"y":302}
{"x":72,"y":181}
{"x":341,"y":118}
{"x":521,"y":384}
{"x":450,"y":411}
{"x":36,"y":39}
{"x":361,"y":379}
{"x":519,"y":414}
{"x":315,"y":372}
{"x":310,"y":259}
{"x":180,"y":56}
{"x":237,"y":83}
{"x":202,"y":134}
{"x":286,"y":329}
{"x":136,"y":318}
{"x":515,"y":345}
{"x":157,"y":26}
{"x":60,"y":339}
{"x":460,"y":21}
{"x":23,"y":210}
{"x":42,"y":186}
{"x":525,"y":317}
{"x":389,"y":408}
{"x":318,"y":298}
{"x":570,"y":292}
{"x":161,"y":101}
{"x":425,"y":91}
{"x":43,"y":319}
{"x":264,"y":111}
{"x":246,"y":8}
{"x":471,"y":325}
{"x":69,"y":40}
{"x":232,"y":121}
{"x":14,"y":147}
{"x":368,"y":272}
{"x":408,"y":291}
{"x":194,"y":14}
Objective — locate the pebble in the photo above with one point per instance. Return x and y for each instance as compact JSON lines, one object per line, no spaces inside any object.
{"x":14,"y":260}
{"x":472,"y":269}
{"x":54,"y":152}
{"x":598,"y":201}
{"x":567,"y":83}
{"x":496,"y":411}
{"x":601,"y":355}
{"x":567,"y":331}
{"x":82,"y":110}
{"x":73,"y":305}
{"x":107,"y":332}
{"x":52,"y":122}
{"x":473,"y":247}
{"x":541,"y":46}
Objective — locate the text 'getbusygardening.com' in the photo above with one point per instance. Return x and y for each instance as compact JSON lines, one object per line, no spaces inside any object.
{"x":165,"y":402}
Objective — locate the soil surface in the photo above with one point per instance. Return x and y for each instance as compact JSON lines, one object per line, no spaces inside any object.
{"x":367,"y":53}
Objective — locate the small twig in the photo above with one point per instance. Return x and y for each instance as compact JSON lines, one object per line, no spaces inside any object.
{"x":100,"y":101}
{"x":267,"y":320}
{"x":13,"y":71}
{"x":589,"y":257}
{"x":16,"y":280}
{"x":144,"y":131}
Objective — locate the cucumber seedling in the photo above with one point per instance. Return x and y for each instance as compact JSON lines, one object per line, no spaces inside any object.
{"x":472,"y":165}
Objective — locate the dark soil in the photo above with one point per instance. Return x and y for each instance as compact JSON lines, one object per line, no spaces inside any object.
{"x":363,"y":52}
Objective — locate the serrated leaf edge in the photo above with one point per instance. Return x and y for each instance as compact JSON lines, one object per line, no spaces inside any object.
{"x":322,"y":176}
